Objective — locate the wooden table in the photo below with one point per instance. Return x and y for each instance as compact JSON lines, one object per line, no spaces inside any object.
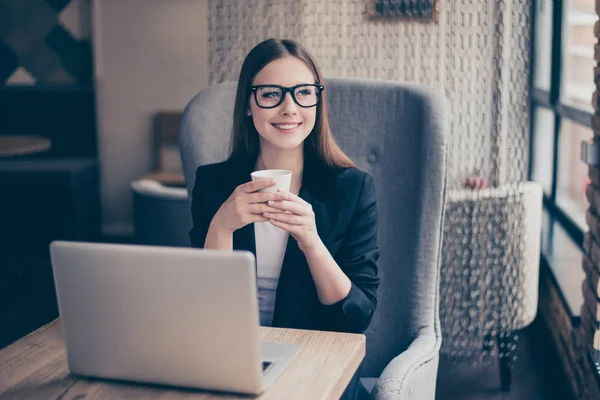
{"x":35,"y":367}
{"x":21,"y":145}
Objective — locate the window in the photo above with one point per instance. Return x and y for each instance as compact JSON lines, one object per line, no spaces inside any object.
{"x":543,"y":47}
{"x":562,"y":88}
{"x":572,"y":178}
{"x":578,"y":49}
{"x":543,"y":148}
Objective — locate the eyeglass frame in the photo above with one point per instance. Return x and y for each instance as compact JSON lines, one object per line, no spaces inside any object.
{"x":291,"y":90}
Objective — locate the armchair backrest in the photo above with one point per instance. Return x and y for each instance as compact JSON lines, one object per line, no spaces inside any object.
{"x":396,"y":131}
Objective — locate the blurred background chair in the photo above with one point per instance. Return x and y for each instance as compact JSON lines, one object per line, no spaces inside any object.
{"x":397,"y":132}
{"x":161,"y":214}
{"x":490,"y":271}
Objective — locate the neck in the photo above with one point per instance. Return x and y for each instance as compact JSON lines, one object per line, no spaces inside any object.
{"x":292,"y":160}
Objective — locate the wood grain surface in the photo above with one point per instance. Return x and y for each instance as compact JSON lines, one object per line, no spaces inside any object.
{"x":35,"y":367}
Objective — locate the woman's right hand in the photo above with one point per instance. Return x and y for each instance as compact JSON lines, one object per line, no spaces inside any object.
{"x":247,"y":205}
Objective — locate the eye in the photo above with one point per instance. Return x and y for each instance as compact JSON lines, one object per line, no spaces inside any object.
{"x":274,"y":94}
{"x":305,"y":91}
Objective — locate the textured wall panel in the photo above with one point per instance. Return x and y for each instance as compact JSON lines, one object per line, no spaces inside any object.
{"x":458,"y":55}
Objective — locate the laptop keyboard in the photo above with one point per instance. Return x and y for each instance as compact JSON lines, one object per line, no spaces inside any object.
{"x":265,"y":365}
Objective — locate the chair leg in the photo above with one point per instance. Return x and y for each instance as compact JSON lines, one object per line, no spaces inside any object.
{"x":507,"y":344}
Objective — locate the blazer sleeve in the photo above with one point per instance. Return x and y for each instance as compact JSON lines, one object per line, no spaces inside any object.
{"x":201,"y":215}
{"x":357,"y":257}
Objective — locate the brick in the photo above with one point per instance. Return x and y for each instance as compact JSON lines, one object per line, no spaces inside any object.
{"x":592,"y":221}
{"x":592,"y":275}
{"x":595,"y":204}
{"x":589,"y":193}
{"x":594,"y":174}
{"x":553,"y":309}
{"x":596,"y":50}
{"x":587,"y":239}
{"x":597,"y":75}
{"x":587,"y":319}
{"x":590,"y":302}
{"x":596,"y":124}
{"x":595,"y":98}
{"x":595,"y":253}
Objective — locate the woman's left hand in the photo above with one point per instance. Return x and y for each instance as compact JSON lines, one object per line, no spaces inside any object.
{"x":297,"y":218}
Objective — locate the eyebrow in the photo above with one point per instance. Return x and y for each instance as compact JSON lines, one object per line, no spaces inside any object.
{"x":275,"y":84}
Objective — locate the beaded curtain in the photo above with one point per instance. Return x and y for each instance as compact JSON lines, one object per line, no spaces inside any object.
{"x":477,"y":54}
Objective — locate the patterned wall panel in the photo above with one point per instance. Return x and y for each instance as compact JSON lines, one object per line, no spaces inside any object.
{"x":45,"y":42}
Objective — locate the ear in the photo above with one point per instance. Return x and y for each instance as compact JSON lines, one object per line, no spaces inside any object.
{"x":249,"y":112}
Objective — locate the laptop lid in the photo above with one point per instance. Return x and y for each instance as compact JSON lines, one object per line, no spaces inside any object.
{"x":166,"y":315}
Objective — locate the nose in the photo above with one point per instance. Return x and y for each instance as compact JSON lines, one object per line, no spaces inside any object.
{"x":288,"y":107}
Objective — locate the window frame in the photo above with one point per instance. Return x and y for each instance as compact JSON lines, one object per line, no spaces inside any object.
{"x":551,"y":100}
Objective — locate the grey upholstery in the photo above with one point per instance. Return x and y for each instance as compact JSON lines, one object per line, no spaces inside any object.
{"x":396,"y":131}
{"x":161,"y":214}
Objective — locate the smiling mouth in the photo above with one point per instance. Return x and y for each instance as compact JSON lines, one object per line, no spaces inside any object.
{"x":287,"y":127}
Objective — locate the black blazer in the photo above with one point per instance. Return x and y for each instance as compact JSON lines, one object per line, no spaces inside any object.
{"x":344,"y":204}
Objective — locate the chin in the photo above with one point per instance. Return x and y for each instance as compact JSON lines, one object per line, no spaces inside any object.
{"x":287,"y":143}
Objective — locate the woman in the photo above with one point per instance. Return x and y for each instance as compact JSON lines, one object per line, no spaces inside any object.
{"x":316,"y":245}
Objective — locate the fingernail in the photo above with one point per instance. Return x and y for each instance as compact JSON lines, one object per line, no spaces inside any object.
{"x":270,"y":202}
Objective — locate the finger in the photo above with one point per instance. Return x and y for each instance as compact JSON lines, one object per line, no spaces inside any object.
{"x":286,"y":227}
{"x":263,"y":197}
{"x":290,"y":219}
{"x":295,"y":198}
{"x":253,"y":186}
{"x":286,"y":205}
{"x":260,"y":208}
{"x":257,"y":218}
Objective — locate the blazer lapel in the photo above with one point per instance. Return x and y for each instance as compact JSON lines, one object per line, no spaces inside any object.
{"x":295,"y":279}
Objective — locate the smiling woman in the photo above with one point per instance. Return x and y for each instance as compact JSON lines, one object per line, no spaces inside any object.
{"x":316,"y":244}
{"x":283,"y":121}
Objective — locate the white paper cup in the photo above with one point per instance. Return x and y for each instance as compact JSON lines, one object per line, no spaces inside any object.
{"x":283,"y":179}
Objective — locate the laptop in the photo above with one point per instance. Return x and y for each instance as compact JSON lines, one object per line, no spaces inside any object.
{"x":164,"y":315}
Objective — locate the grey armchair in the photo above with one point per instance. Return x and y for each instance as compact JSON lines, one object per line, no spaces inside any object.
{"x":396,"y":131}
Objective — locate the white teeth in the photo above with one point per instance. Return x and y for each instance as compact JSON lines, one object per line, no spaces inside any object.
{"x":286,"y":126}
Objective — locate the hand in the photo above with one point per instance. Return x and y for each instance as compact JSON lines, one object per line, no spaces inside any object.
{"x":246,"y":205}
{"x":296,"y":217}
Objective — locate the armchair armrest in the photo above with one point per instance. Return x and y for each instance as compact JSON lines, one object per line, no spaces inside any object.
{"x":412,"y":374}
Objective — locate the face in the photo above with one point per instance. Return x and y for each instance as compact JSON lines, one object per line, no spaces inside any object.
{"x":286,"y":126}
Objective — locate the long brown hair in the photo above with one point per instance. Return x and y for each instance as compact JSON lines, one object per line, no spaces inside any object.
{"x":319,"y":144}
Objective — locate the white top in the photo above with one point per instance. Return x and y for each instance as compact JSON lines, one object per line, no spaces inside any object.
{"x":271,"y":243}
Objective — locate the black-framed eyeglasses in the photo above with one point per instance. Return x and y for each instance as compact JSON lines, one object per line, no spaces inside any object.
{"x":270,"y":96}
